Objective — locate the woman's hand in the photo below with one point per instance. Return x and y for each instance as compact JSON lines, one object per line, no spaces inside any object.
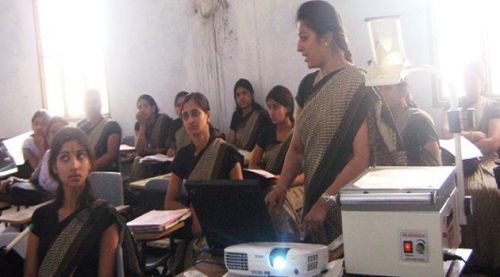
{"x":314,"y":220}
{"x":275,"y":198}
{"x":141,"y":117}
{"x":195,"y":226}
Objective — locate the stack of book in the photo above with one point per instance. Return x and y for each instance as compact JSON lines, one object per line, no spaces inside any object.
{"x":157,"y":221}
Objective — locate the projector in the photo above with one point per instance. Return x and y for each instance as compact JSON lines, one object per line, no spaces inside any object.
{"x":276,"y":259}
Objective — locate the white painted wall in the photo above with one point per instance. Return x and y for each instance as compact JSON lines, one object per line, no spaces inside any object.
{"x":162,"y":47}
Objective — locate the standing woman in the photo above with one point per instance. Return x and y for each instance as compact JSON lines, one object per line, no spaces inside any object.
{"x":34,"y":146}
{"x":178,"y":135}
{"x":336,"y":136}
{"x":151,"y":137}
{"x":104,"y":134}
{"x":416,"y":126}
{"x":249,"y":118}
{"x":74,"y":235}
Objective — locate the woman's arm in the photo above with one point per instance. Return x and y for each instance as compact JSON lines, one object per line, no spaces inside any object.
{"x":360,"y":160}
{"x":231,"y":137}
{"x":236,"y":172}
{"x":433,"y":147}
{"x":31,"y":262}
{"x":171,"y":198}
{"x":140,"y":139}
{"x":255,"y":162}
{"x":113,"y":146}
{"x":107,"y":251}
{"x":489,"y":144}
{"x":32,"y":159}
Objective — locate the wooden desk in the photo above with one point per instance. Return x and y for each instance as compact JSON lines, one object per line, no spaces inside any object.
{"x":22,"y":216}
{"x":140,"y":184}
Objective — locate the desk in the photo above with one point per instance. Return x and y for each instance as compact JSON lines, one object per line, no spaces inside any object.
{"x":140,"y":184}
{"x":8,"y":172}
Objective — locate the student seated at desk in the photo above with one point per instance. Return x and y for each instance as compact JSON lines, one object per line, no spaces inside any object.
{"x":41,"y":186}
{"x":104,"y":134}
{"x":205,"y":158}
{"x":416,"y":127}
{"x":249,"y":118}
{"x":76,"y":235}
{"x":178,"y":134}
{"x":270,"y":150}
{"x":151,"y":133}
{"x":34,"y":146}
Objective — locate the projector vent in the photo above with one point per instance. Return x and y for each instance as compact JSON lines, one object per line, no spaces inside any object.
{"x":236,"y":261}
{"x":312,"y":262}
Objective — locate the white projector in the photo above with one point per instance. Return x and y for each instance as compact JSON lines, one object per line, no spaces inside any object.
{"x":276,"y":259}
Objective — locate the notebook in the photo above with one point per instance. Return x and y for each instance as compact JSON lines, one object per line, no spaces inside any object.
{"x":231,"y":212}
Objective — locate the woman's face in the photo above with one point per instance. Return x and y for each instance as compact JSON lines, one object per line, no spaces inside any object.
{"x":311,"y":47}
{"x":147,"y":110}
{"x":39,"y":125}
{"x":391,"y":95}
{"x":54,"y":128}
{"x":72,"y":165}
{"x":473,"y":83}
{"x":195,"y":120}
{"x":243,"y":97}
{"x":178,"y":106}
{"x":277,"y":112}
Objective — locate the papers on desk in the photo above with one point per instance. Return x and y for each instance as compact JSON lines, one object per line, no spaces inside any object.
{"x":469,"y":150}
{"x":126,"y":147}
{"x":157,"y":221}
{"x":160,"y":158}
{"x":260,"y":173}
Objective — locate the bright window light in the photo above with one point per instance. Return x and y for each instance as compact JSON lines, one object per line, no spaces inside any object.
{"x":466,"y":32}
{"x":71,"y":39}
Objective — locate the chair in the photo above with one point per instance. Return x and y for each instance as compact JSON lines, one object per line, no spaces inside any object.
{"x":128,"y":140}
{"x":154,"y":193}
{"x":108,"y":186}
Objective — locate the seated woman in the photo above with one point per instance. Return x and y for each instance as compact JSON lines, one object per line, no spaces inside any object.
{"x":249,"y":118}
{"x":34,"y":146}
{"x":269,"y":154}
{"x":104,"y":134}
{"x":151,"y":133}
{"x":178,"y":135}
{"x":75,"y":235}
{"x":482,"y":229}
{"x":416,"y":127}
{"x":205,"y":158}
{"x":41,"y":186}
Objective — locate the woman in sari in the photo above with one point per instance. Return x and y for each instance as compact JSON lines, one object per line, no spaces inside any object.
{"x":249,"y":118}
{"x":342,"y":128}
{"x":35,"y":145}
{"x":178,"y":135}
{"x":75,"y":235}
{"x":483,"y":228}
{"x":269,"y":154}
{"x":416,"y":127}
{"x":104,"y":134}
{"x":151,"y":137}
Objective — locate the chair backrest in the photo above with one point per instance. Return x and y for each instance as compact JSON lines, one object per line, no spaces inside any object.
{"x":20,"y":248}
{"x":108,"y":186}
{"x":160,"y":185}
{"x":128,"y":140}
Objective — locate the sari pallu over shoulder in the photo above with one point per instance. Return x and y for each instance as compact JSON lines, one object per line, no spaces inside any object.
{"x":274,"y":155}
{"x":75,"y":240}
{"x":327,"y":126}
{"x":209,"y":165}
{"x":247,"y":131}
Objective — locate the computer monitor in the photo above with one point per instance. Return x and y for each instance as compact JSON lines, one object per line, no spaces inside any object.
{"x":231,"y":212}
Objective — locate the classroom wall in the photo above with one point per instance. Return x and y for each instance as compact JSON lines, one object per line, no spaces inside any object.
{"x":162,"y":47}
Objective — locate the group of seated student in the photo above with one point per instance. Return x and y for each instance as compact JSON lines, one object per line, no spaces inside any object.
{"x":76,"y":234}
{"x":41,"y":185}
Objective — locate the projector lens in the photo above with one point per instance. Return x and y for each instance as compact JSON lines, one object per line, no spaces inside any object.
{"x":277,"y":257}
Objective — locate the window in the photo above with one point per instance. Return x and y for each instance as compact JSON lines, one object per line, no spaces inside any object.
{"x":465,"y":31}
{"x":71,"y":40}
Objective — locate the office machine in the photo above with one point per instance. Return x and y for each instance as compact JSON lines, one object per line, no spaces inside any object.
{"x":397,"y":221}
{"x":276,"y":259}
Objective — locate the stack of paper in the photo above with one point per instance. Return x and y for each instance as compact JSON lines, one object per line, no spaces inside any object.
{"x":157,"y":221}
{"x":161,"y":158}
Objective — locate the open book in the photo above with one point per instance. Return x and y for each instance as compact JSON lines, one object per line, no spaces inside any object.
{"x":157,"y":221}
{"x":160,"y":158}
{"x":265,"y":178}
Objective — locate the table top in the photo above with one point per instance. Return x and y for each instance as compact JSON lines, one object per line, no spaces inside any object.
{"x":140,"y":184}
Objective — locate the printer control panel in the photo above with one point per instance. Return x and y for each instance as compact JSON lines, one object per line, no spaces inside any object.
{"x":414,"y":246}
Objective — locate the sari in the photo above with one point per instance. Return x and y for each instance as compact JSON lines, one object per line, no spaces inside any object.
{"x":483,"y":227}
{"x":273,"y":157}
{"x":249,"y":128}
{"x":74,"y":241}
{"x":327,"y":126}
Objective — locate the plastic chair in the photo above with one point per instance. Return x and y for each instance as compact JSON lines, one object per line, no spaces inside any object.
{"x":108,"y":186}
